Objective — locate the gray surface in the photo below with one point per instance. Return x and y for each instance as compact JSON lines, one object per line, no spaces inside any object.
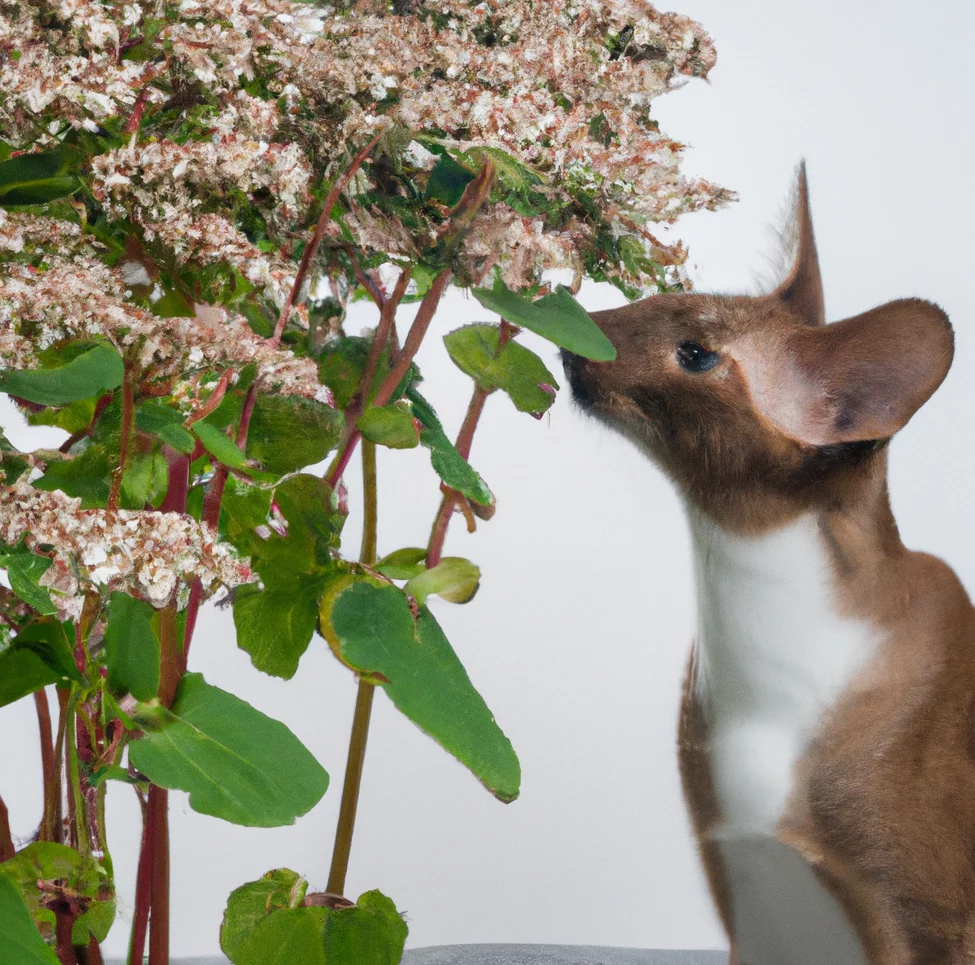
{"x":556,"y":955}
{"x":528,"y":955}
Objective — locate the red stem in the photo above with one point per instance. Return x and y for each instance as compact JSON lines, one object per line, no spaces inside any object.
{"x":51,"y":786}
{"x":64,"y":948}
{"x":157,"y":822}
{"x":7,"y":850}
{"x":418,"y":329}
{"x":311,"y":249}
{"x":140,"y":921}
{"x":465,"y":439}
{"x":463,"y":445}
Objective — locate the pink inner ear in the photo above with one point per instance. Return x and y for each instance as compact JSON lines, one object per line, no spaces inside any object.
{"x":859,"y":379}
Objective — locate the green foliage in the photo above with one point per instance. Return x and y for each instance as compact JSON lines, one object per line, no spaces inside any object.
{"x":372,"y":628}
{"x":453,"y":579}
{"x":447,"y":462}
{"x":39,"y":177}
{"x":38,"y":656}
{"x":20,"y":941}
{"x":100,"y":368}
{"x":518,"y":372}
{"x":132,"y":647}
{"x":557,"y":317}
{"x":86,"y":476}
{"x":167,"y":423}
{"x":74,"y":874}
{"x":392,"y":426}
{"x":275,"y":624}
{"x":250,"y":904}
{"x":233,"y":761}
{"x":288,"y":433}
{"x":266,"y":921}
{"x":24,"y":570}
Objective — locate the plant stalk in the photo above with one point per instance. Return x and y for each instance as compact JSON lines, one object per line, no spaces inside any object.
{"x":52,"y":798}
{"x":128,"y":421}
{"x":363,"y":702}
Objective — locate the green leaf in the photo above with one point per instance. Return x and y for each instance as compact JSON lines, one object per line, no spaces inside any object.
{"x":24,"y":570}
{"x":512,"y":368}
{"x":448,"y":181}
{"x":453,"y":578}
{"x":79,"y":875}
{"x":131,"y":647}
{"x":557,"y":317}
{"x":447,"y":462}
{"x":12,"y":464}
{"x":86,"y":476}
{"x":276,"y":625}
{"x":390,"y":426}
{"x":371,"y":628}
{"x":39,"y":655}
{"x":38,"y":178}
{"x":20,"y":941}
{"x":288,"y":937}
{"x":246,"y":505}
{"x":218,"y":445}
{"x":403,"y":564}
{"x":289,"y":432}
{"x":250,"y":904}
{"x":146,"y":478}
{"x":97,"y":370}
{"x":167,"y":423}
{"x":371,"y":933}
{"x":235,"y":762}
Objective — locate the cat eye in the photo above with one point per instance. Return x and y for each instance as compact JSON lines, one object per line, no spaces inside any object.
{"x":694,"y":357}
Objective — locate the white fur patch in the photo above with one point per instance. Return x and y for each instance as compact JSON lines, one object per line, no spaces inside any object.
{"x":772,"y":656}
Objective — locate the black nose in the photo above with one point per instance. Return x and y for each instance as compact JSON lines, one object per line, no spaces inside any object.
{"x":572,"y":365}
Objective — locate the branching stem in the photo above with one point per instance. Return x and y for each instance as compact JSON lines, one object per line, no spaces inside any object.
{"x":311,"y":249}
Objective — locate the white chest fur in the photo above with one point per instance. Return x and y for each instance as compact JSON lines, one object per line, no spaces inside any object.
{"x":773,"y":655}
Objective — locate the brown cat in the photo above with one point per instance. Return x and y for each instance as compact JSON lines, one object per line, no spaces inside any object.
{"x":828,"y":727}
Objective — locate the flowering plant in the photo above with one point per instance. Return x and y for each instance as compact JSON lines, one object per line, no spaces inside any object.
{"x":190,"y":194}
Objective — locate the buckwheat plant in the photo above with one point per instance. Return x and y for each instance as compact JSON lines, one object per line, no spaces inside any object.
{"x":191,"y":193}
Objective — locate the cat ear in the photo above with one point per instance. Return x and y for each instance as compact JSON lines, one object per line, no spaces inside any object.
{"x":802,"y":291}
{"x":855,"y":380}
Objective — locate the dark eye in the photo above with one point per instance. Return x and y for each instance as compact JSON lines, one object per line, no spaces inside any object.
{"x":695,"y":358}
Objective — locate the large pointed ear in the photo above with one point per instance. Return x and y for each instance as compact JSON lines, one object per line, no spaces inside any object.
{"x":855,"y":380}
{"x":802,"y":291}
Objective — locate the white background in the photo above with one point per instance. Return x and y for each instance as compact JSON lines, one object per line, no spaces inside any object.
{"x":578,"y":636}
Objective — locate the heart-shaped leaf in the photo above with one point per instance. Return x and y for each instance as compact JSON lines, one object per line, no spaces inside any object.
{"x":235,"y":762}
{"x":371,"y":627}
{"x":557,"y":317}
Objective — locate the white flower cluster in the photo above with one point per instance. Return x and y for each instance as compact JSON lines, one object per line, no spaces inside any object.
{"x":146,"y":554}
{"x":563,"y":86}
{"x":82,"y":298}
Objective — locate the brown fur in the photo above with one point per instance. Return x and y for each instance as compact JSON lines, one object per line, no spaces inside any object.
{"x":795,"y":419}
